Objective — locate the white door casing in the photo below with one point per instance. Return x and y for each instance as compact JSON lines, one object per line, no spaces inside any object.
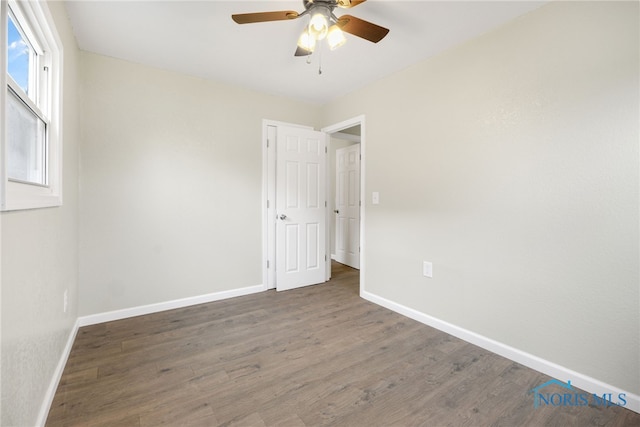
{"x":300,"y":207}
{"x":269,"y":215}
{"x":347,"y":206}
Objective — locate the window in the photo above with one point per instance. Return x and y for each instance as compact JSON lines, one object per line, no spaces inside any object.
{"x":25,"y":120}
{"x":31,"y":107}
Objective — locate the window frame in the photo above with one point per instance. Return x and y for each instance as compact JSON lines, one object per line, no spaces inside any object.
{"x":36,"y":22}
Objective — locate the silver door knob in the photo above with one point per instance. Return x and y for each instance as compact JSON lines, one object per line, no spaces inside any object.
{"x":283,"y":217}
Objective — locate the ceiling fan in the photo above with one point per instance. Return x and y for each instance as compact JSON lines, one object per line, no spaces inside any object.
{"x":323,"y":24}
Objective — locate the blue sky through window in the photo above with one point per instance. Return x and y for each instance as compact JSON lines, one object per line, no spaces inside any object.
{"x":18,"y":56}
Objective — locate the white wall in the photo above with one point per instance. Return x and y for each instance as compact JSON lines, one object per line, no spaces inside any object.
{"x":511,"y":163}
{"x":171,"y":184}
{"x":39,"y":262}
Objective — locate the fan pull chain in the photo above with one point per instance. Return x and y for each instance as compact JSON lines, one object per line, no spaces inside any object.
{"x":320,"y":60}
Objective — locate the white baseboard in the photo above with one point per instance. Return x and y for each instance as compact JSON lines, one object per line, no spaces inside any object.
{"x":110,"y":316}
{"x":584,"y":382}
{"x":57,"y":374}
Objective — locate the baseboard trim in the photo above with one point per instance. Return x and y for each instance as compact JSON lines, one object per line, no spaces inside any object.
{"x":584,"y":382}
{"x":125,"y":313}
{"x":57,"y":374}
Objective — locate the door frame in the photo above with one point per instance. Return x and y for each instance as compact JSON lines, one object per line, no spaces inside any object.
{"x":268,"y":192}
{"x":335,"y":128}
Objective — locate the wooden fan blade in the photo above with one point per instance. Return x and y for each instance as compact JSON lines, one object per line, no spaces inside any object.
{"x":250,"y":18}
{"x":361,"y":28}
{"x":348,"y":4}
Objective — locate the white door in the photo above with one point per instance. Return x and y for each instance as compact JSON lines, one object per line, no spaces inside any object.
{"x":300,"y":207}
{"x":347,"y":207}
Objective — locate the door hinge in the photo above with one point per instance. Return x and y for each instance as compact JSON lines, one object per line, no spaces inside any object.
{"x":325,"y":150}
{"x":267,"y":263}
{"x":325,"y":203}
{"x":267,"y":142}
{"x":325,"y":257}
{"x":267,"y":204}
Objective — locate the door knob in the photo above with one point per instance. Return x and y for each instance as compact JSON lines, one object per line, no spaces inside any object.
{"x":337,"y":211}
{"x":283,"y":217}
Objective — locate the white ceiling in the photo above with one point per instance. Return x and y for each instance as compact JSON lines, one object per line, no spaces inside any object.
{"x":199,"y":38}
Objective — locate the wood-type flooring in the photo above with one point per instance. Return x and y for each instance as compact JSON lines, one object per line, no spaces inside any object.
{"x":314,"y":356}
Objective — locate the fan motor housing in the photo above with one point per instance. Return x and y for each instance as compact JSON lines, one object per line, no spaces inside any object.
{"x":330,"y":4}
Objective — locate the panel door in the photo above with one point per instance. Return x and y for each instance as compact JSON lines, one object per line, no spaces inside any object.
{"x":300,"y":207}
{"x":347,"y":207}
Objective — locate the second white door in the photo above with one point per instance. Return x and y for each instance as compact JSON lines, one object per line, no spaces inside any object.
{"x":347,"y":206}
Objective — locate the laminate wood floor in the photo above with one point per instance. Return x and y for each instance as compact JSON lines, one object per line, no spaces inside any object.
{"x":308,"y":357}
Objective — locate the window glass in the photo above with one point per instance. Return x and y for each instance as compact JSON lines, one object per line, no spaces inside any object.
{"x":19,"y":55}
{"x":26,"y":137}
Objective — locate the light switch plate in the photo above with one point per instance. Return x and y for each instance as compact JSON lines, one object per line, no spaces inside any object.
{"x":375,"y":198}
{"x":427,"y":269}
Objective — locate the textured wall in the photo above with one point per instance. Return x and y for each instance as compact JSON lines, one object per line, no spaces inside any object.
{"x":511,"y":163}
{"x":171,"y":184}
{"x":40,"y":262}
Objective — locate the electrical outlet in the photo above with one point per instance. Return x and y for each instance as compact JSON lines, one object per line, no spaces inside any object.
{"x":427,"y":269}
{"x":65,"y":303}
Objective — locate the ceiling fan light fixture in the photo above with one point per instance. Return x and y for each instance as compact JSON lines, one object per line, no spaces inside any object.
{"x":307,"y":41}
{"x":319,"y":25}
{"x":322,"y":24}
{"x":335,"y":37}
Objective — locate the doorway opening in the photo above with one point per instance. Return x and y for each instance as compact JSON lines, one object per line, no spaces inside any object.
{"x":343,"y":193}
{"x":347,"y":227}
